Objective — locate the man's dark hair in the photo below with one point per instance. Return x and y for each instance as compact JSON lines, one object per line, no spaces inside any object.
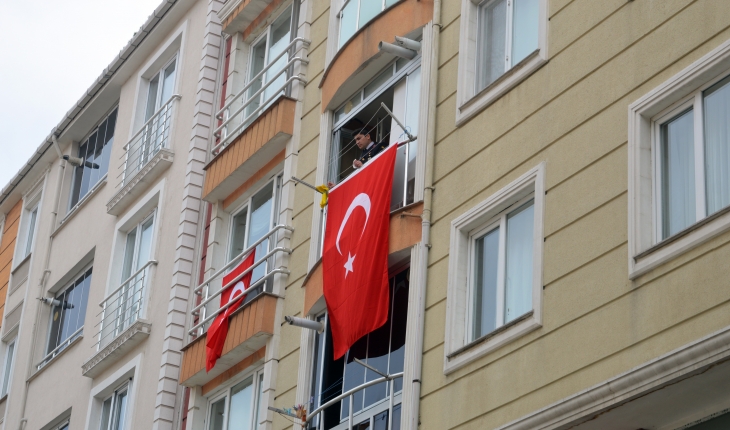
{"x":364,"y":131}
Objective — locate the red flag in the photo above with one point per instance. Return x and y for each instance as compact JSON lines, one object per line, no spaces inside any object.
{"x":355,"y":256}
{"x":219,"y":328}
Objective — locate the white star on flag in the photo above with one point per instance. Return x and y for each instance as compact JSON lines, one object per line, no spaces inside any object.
{"x":348,"y":265}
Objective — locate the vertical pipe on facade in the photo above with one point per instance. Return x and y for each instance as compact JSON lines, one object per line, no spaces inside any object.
{"x":44,"y":275}
{"x":425,"y":220}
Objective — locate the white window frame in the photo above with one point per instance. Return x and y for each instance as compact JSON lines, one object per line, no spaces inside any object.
{"x":246,"y":205}
{"x":28,"y":231}
{"x":459,"y":349}
{"x":225,"y":393}
{"x":124,"y":375}
{"x":646,"y":248}
{"x":114,"y":396}
{"x":8,"y":366}
{"x":338,"y":7}
{"x":469,"y":101}
{"x":160,"y":74}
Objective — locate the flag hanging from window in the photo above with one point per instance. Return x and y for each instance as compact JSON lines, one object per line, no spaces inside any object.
{"x":355,"y":255}
{"x":235,"y":287}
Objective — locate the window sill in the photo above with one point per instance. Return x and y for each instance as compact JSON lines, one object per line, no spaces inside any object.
{"x":490,"y":342}
{"x":54,"y":359}
{"x":680,"y":243}
{"x":469,"y":107}
{"x":21,"y":262}
{"x":81,"y":203}
{"x":117,"y":348}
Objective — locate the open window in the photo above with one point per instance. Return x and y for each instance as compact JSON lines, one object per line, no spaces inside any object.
{"x":398,"y":86}
{"x":383,"y":349}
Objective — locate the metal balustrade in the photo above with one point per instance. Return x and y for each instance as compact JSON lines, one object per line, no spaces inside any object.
{"x":147,"y":141}
{"x":238,"y":120}
{"x":123,"y":306}
{"x":350,"y":396}
{"x":57,"y":350}
{"x":209,"y":307}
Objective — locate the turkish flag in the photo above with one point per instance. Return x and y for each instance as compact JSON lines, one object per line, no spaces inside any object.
{"x":234,"y":286}
{"x":355,"y":255}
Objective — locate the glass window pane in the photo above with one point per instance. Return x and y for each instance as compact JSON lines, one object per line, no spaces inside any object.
{"x":396,"y":417}
{"x":257,"y":62}
{"x":8,"y":368}
{"x":217,"y":414}
{"x":261,"y":205}
{"x":168,"y":83}
{"x":398,"y":320}
{"x":525,"y":24}
{"x":129,"y":254}
{"x":84,"y":151}
{"x":152,"y":97}
{"x":31,"y":231}
{"x":90,"y":161}
{"x":491,"y":42}
{"x":145,"y":243}
{"x":120,"y":410}
{"x":354,"y":375}
{"x":348,"y":21}
{"x":239,"y":412}
{"x":518,"y":271}
{"x":239,"y":233}
{"x":259,"y":397}
{"x":413,"y":101}
{"x":378,"y":81}
{"x":486,"y":260}
{"x":368,"y":10}
{"x":717,"y":145}
{"x":106,"y":412}
{"x":377,"y":357}
{"x":279,"y":41}
{"x":678,"y":177}
{"x":380,"y":421}
{"x":108,"y":140}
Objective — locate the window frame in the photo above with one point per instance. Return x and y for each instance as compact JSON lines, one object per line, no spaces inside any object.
{"x":114,"y":413}
{"x":275,"y":181}
{"x":647,"y":250}
{"x":160,"y":75}
{"x":52,"y":353}
{"x":71,"y":207}
{"x":257,"y":397}
{"x":339,"y":10}
{"x":498,"y":221}
{"x":469,"y":99}
{"x":460,"y":349}
{"x":8,"y":366}
{"x":31,"y":229}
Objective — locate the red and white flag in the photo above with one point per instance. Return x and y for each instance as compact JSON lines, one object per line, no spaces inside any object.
{"x":235,"y":291}
{"x":355,"y":255}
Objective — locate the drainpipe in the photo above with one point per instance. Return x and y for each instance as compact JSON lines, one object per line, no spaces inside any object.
{"x":44,"y":277}
{"x":425,"y":221}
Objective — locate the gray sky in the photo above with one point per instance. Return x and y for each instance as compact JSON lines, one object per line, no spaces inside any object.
{"x":51,"y":51}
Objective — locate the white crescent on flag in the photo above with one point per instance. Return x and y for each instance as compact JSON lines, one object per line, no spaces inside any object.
{"x":238,"y":287}
{"x":361,"y":200}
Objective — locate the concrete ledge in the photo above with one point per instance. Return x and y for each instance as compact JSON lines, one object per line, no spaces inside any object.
{"x":119,"y":346}
{"x":139,"y":182}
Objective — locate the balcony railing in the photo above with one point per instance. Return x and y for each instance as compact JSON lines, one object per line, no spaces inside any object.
{"x":57,"y":350}
{"x":353,"y":420}
{"x":147,"y":141}
{"x":209,"y":306}
{"x":123,"y":306}
{"x":236,"y":121}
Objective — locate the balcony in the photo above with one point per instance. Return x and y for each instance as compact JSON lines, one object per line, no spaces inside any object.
{"x":146,"y":156}
{"x":121,"y":324}
{"x":250,"y":326}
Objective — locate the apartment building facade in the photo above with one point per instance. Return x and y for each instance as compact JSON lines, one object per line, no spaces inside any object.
{"x":558,"y":221}
{"x":99,"y":236}
{"x":557,"y":225}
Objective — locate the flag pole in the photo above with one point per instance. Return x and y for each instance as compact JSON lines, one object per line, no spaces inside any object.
{"x":411,"y":137}
{"x":306,"y":184}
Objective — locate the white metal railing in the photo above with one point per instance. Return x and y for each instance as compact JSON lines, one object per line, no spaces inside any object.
{"x":124,"y":306}
{"x":202,"y":311}
{"x":57,"y":350}
{"x":238,"y":120}
{"x":147,"y":141}
{"x":350,"y":395}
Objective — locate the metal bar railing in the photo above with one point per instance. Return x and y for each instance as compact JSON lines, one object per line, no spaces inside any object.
{"x":253,"y":286}
{"x":305,"y":42}
{"x":147,"y":141}
{"x":123,"y":306}
{"x":390,"y":379}
{"x":200,"y":310}
{"x":59,"y":348}
{"x":244,"y":121}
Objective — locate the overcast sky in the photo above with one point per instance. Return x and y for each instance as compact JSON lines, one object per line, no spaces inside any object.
{"x":51,"y":51}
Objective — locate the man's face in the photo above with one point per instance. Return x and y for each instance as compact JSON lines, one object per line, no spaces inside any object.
{"x":362,"y":140}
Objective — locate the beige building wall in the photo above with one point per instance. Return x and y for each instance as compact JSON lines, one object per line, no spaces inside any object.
{"x":571,"y":115}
